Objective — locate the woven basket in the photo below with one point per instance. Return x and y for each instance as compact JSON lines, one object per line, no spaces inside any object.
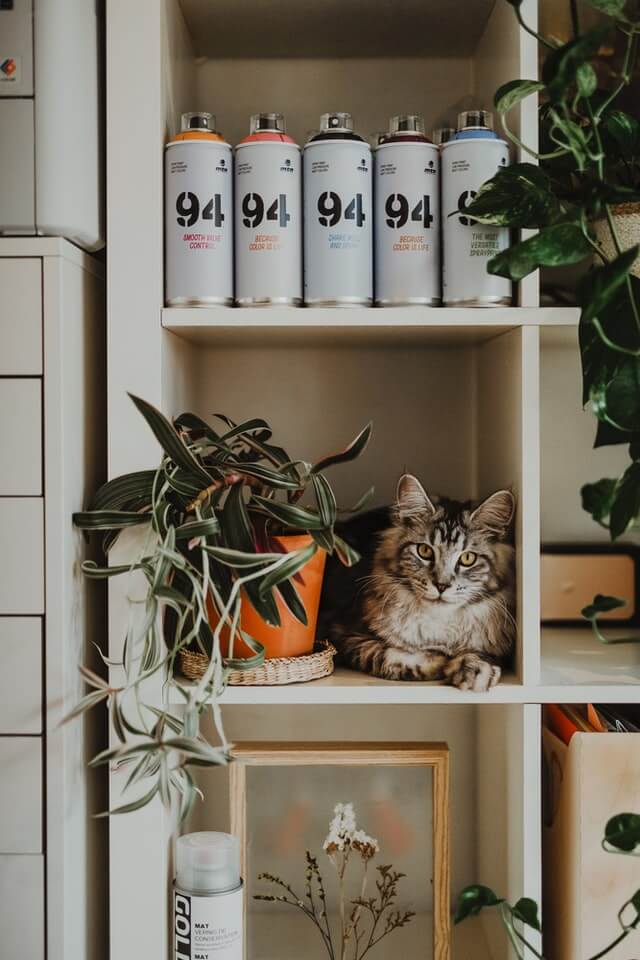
{"x":277,"y":671}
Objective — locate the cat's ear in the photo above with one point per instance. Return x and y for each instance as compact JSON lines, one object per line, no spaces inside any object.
{"x":412,"y":498}
{"x":495,"y":513}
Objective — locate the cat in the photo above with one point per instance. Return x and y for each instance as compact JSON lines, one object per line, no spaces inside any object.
{"x":432,"y":597}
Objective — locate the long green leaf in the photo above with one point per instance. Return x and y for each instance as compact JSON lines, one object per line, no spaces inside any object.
{"x":514,"y":92}
{"x":238,"y":534}
{"x":239,"y":559}
{"x":521,"y":195}
{"x":351,"y":452}
{"x":325,"y":496}
{"x":198,"y":528}
{"x":290,"y":515}
{"x":168,"y":438}
{"x":294,"y":562}
{"x":292,"y":599}
{"x":562,"y":243}
{"x":122,"y":490}
{"x":109,"y":519}
{"x":605,"y":282}
{"x":133,"y":805}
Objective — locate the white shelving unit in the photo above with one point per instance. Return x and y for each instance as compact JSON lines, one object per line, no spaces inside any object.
{"x":454,"y":394}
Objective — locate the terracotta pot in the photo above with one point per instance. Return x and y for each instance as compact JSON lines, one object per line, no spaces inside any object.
{"x":626,"y":218}
{"x":291,"y":638}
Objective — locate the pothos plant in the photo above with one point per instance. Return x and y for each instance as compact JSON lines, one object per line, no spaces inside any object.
{"x":588,"y":162}
{"x":209,"y":513}
{"x":621,"y":836}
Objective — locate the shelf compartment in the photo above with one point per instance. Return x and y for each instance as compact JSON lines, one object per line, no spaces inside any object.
{"x":573,"y":655}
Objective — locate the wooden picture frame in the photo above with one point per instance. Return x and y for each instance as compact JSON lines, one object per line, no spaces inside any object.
{"x":433,"y":755}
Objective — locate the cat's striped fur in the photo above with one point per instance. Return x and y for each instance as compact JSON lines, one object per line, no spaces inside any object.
{"x":401,"y":615}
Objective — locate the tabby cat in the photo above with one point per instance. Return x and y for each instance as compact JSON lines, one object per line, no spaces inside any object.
{"x":432,"y":597}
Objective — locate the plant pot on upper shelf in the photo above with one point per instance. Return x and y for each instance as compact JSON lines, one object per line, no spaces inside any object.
{"x":292,"y":638}
{"x":626,"y":221}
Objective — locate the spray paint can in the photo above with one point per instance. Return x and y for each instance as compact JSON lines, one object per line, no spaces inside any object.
{"x":472,"y":157}
{"x":407,"y":216}
{"x":198,"y":215}
{"x":208,"y":917}
{"x":268,"y":215}
{"x":338,"y":229}
{"x":442,"y":135}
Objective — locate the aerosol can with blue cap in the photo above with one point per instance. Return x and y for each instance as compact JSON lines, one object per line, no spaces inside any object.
{"x":468,"y":160}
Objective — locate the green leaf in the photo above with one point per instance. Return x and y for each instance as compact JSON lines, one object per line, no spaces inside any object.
{"x":198,"y":528}
{"x":612,"y":8}
{"x":602,"y":604}
{"x":291,"y":598}
{"x":608,"y":436}
{"x":561,"y":65}
{"x":626,"y":504}
{"x":597,"y":499}
{"x":614,"y":315}
{"x":239,"y":559}
{"x":290,"y":515}
{"x":560,"y":244}
{"x":586,"y":79}
{"x":618,"y":399}
{"x":276,"y":479}
{"x":526,"y":910}
{"x":325,"y":496}
{"x":474,"y":899}
{"x":622,"y":832}
{"x":133,"y":805}
{"x":86,"y":703}
{"x":238,"y":534}
{"x":170,"y":441}
{"x":351,"y":452}
{"x":521,"y":195}
{"x":294,"y":562}
{"x":239,"y":429}
{"x":346,"y":553}
{"x":123,"y":490}
{"x":109,"y":519}
{"x":623,"y":129}
{"x":512,"y":93}
{"x":605,"y":282}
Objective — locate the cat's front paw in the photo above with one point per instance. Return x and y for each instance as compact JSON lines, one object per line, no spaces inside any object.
{"x":471,"y":672}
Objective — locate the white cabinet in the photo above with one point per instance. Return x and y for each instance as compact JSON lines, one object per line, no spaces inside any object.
{"x":21,"y":675}
{"x":22,"y":559}
{"x":22,"y":907}
{"x":51,"y":443}
{"x":20,"y":316}
{"x":21,"y":437}
{"x":21,"y":795}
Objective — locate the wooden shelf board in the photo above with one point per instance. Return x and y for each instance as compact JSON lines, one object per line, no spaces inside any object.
{"x":347,"y":687}
{"x":394,"y":326}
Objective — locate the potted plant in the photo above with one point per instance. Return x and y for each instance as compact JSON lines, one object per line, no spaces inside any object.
{"x":583,"y":199}
{"x":232,"y":563}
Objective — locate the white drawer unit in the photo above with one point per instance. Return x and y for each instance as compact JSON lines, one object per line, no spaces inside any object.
{"x":21,"y":795}
{"x":21,"y":437}
{"x":22,"y":907}
{"x":22,"y":559}
{"x":21,"y":675}
{"x":20,"y":316}
{"x":51,"y":438}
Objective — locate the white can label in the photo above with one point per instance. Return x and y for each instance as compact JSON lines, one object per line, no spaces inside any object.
{"x":338,"y":229}
{"x":268,"y":207}
{"x":208,"y":928}
{"x":469,"y":245}
{"x":407,"y":223}
{"x":198,"y":222}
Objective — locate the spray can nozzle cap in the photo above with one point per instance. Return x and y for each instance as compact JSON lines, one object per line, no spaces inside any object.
{"x":207,"y":862}
{"x":475,"y":120}
{"x":336,"y":121}
{"x":267,"y":123}
{"x":198,"y":120}
{"x":443,"y":134}
{"x":406,"y":123}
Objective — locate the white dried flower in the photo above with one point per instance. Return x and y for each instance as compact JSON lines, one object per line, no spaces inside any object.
{"x":341,"y":829}
{"x":366,"y":846}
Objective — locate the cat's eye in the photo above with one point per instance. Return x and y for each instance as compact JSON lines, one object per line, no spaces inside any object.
{"x":468,"y":558}
{"x":425,"y":552}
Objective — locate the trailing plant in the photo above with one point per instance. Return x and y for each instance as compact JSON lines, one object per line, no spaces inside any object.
{"x":210,"y":514}
{"x":365,"y":920}
{"x":589,"y":161}
{"x":621,"y":836}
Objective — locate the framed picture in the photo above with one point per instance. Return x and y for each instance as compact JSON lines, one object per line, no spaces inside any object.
{"x":345,"y":849}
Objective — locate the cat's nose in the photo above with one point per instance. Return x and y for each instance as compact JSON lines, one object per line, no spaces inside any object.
{"x":441,"y":587}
